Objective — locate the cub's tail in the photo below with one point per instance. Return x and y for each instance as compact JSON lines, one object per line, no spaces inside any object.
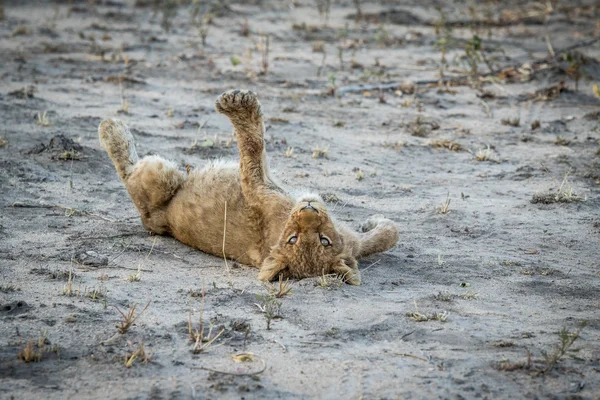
{"x":117,"y":140}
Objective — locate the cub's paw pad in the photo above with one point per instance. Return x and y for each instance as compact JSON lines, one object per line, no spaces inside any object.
{"x":238,"y":102}
{"x":371,"y":223}
{"x":111,"y":129}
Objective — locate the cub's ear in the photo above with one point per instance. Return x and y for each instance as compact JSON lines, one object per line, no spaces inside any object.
{"x":270,"y":269}
{"x":347,"y":268}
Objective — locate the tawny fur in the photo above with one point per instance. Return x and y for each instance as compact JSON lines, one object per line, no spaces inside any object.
{"x":266,"y":227}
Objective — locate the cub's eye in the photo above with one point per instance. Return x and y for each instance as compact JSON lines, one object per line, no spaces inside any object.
{"x":292,"y":239}
{"x":325,"y":242}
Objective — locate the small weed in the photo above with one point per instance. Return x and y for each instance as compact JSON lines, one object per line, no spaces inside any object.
{"x":397,"y":146}
{"x":382,"y":36}
{"x":264,"y":51}
{"x":486,"y":154}
{"x":535,"y":124}
{"x":68,"y":287}
{"x":470,"y":295}
{"x":561,"y":141}
{"x":197,"y":336}
{"x":320,"y":152}
{"x":129,"y":318}
{"x":29,"y":353}
{"x":289,"y":153}
{"x":324,"y":7}
{"x":138,"y":354}
{"x":445,"y":207}
{"x":418,"y":128}
{"x":124,"y":107}
{"x":567,"y":339}
{"x":96,"y":293}
{"x":245,"y":28}
{"x":20,"y":31}
{"x":445,"y":40}
{"x":448,"y":297}
{"x":70,"y":155}
{"x":329,"y":281}
{"x":284,"y":288}
{"x":440,"y":259}
{"x":269,"y":306}
{"x":169,"y":11}
{"x":564,"y":194}
{"x":511,"y":121}
{"x":137,"y":276}
{"x":9,"y":287}
{"x":445,"y":144}
{"x":235,"y":61}
{"x":170,"y":112}
{"x":332,"y":81}
{"x":359,"y":174}
{"x":318,"y":47}
{"x":436,"y":316}
{"x":550,"y":360}
{"x":3,"y":142}
{"x":445,"y":297}
{"x":42,"y":119}
{"x":333,"y":332}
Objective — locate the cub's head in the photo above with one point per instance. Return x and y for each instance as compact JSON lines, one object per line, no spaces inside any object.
{"x":310,"y":246}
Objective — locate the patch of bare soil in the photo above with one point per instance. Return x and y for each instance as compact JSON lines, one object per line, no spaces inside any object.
{"x":475,"y":127}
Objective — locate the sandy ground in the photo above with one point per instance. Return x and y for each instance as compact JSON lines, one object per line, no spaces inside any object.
{"x":505,"y":272}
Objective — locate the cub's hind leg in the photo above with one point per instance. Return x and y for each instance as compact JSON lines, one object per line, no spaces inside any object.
{"x":379,"y":234}
{"x":151,"y":182}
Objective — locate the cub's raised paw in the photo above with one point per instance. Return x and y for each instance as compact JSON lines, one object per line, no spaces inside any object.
{"x":239,"y":103}
{"x":372,"y":222}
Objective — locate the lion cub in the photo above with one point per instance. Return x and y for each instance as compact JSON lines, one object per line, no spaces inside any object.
{"x":266,"y":227}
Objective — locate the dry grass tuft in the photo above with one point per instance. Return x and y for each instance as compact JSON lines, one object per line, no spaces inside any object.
{"x":436,"y":316}
{"x":511,"y":121}
{"x":138,"y":354}
{"x":282,"y":290}
{"x":550,"y":360}
{"x":329,"y":281}
{"x":289,"y":153}
{"x":445,"y":207}
{"x":42,"y":119}
{"x":445,"y":144}
{"x":9,"y":287}
{"x":201,"y":341}
{"x":138,"y":275}
{"x":68,"y":287}
{"x":561,"y":141}
{"x":564,"y":194}
{"x":129,"y":318}
{"x":359,"y":174}
{"x":318,"y":46}
{"x":3,"y":142}
{"x":29,"y":353}
{"x":486,"y":154}
{"x":319,"y":152}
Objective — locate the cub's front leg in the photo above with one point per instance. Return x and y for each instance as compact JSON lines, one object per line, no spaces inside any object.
{"x":244,"y":111}
{"x":378,"y":235}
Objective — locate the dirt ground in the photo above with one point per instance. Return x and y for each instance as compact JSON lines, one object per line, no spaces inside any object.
{"x":470,"y":303}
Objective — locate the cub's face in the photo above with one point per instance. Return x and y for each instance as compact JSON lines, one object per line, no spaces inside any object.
{"x":310,"y":246}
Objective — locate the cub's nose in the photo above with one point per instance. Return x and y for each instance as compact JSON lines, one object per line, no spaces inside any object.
{"x":308,"y":207}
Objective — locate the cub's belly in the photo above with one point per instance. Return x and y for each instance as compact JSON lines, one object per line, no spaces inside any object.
{"x":209,"y":212}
